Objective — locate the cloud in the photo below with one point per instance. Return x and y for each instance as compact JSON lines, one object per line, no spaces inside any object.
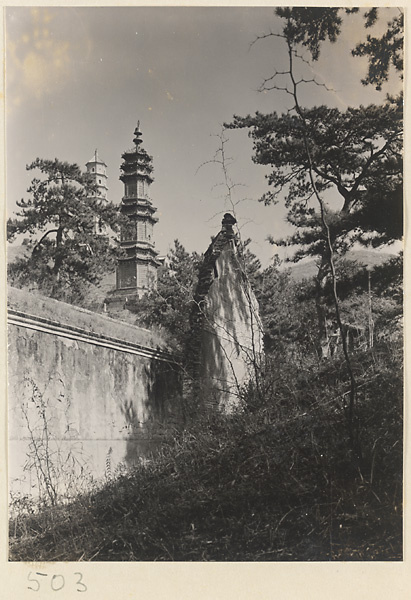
{"x":37,"y":63}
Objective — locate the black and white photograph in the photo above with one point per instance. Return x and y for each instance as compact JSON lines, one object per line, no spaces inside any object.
{"x":204,"y":210}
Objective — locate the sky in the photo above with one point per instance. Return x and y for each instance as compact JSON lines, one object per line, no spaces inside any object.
{"x":80,"y":78}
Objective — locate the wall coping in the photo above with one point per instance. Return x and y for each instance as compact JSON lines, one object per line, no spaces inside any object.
{"x":33,"y":303}
{"x":44,"y":325}
{"x":34,"y":311}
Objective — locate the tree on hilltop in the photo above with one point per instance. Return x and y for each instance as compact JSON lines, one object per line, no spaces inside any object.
{"x":63,"y":253}
{"x":356,"y":154}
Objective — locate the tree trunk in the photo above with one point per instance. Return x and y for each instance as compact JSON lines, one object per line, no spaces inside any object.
{"x":323,"y":344}
{"x":58,"y":261}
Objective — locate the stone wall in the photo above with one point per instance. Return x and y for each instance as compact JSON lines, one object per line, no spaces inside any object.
{"x":87,"y":394}
{"x":226,"y":341}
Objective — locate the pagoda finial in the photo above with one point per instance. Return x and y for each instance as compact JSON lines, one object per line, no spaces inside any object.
{"x":137,"y":133}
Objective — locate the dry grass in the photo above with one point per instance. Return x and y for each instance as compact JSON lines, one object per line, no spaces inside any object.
{"x":274,"y":482}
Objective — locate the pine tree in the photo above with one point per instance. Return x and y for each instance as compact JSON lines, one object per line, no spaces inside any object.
{"x":170,"y":304}
{"x":63,"y":253}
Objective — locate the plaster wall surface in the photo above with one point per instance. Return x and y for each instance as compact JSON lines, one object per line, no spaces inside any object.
{"x":229,"y":333}
{"x":87,"y":394}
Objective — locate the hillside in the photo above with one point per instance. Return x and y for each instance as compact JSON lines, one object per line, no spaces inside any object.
{"x":368,"y":258}
{"x":274,"y":482}
{"x":299,"y":271}
{"x":281,"y":479}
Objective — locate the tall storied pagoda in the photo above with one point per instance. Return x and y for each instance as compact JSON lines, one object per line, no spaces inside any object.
{"x":137,"y":271}
{"x":97,"y":171}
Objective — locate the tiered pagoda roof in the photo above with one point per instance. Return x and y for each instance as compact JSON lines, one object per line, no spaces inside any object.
{"x":136,"y":161}
{"x":96,"y":159}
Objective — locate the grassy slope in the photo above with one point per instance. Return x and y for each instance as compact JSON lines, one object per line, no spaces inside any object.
{"x":274,"y":483}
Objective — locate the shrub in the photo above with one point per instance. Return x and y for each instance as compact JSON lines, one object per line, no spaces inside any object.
{"x":273,"y":481}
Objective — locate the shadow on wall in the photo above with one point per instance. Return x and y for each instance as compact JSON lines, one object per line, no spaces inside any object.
{"x":217,"y":378}
{"x":226,"y":342}
{"x":231,"y":339}
{"x":162,"y":411}
{"x":47,"y":456}
{"x":78,"y":396}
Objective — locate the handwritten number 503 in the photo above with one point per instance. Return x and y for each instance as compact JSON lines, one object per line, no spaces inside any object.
{"x":57,"y":582}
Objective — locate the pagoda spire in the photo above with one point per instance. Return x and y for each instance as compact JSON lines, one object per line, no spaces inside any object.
{"x":137,"y":270}
{"x":137,"y":135}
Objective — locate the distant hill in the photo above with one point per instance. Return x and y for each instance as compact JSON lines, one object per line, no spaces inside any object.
{"x":368,"y":258}
{"x":299,"y":271}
